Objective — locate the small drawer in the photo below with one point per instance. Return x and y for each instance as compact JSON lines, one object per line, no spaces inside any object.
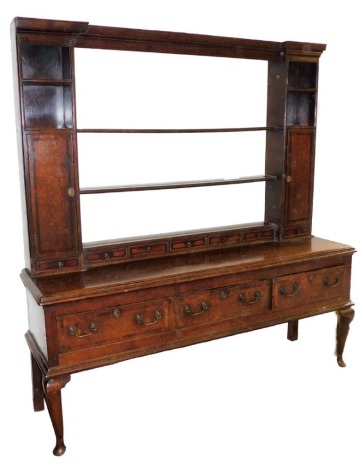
{"x":256,"y":235}
{"x":149,"y":249}
{"x":311,"y":286}
{"x":297,"y":231}
{"x":225,"y":239}
{"x":105,"y":255}
{"x":188,"y":244}
{"x":226,"y":303}
{"x":58,"y":264}
{"x":112,"y":325}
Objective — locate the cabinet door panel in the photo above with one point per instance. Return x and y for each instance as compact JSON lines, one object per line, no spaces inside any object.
{"x":300,"y":168}
{"x":53,"y":201}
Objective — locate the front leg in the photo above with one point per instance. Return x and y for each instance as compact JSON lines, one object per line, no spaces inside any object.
{"x":293,"y":330}
{"x":52,"y":391}
{"x":345,"y":317}
{"x":38,"y":393}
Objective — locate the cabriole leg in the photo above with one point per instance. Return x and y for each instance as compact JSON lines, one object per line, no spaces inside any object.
{"x":345,"y":317}
{"x":38,"y":393}
{"x":52,"y":391}
{"x":293,"y":330}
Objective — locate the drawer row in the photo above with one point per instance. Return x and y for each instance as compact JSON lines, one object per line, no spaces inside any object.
{"x":94,"y":256}
{"x":115,"y":254}
{"x":129,"y":322}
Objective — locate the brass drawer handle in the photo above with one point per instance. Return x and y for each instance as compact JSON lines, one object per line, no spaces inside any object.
{"x":72,"y":330}
{"x":116,"y":312}
{"x":223,"y":295}
{"x":337,"y":281}
{"x":204,"y":306}
{"x":295,"y":290}
{"x":256,"y":298}
{"x":140,"y":319}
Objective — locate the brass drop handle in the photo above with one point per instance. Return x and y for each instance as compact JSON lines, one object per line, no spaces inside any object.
{"x":72,"y":330}
{"x":256,"y":297}
{"x":204,"y":306}
{"x":116,"y":312}
{"x":337,"y":281}
{"x":223,"y":295}
{"x":140,"y":318}
{"x":295,"y":290}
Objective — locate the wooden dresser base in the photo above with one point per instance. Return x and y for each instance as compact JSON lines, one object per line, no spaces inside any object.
{"x":49,"y":390}
{"x":101,"y":317}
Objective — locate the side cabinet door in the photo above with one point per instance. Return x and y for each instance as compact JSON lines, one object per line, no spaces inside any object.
{"x":55,"y":234}
{"x":299,"y":182}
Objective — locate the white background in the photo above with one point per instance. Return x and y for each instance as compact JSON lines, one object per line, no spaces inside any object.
{"x":254,"y":401}
{"x":148,"y":90}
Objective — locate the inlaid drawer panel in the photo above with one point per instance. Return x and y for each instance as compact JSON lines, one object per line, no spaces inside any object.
{"x":58,"y":264}
{"x":222,"y":304}
{"x":310,"y":286}
{"x":101,"y":256}
{"x":151,"y":249}
{"x":187,"y":244}
{"x":121,"y":323}
{"x":225,"y":239}
{"x":259,"y":235}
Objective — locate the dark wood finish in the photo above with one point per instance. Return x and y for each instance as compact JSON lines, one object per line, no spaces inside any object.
{"x":345,"y":317}
{"x":92,"y":316}
{"x":176,"y":185}
{"x":52,"y":390}
{"x":50,"y":191}
{"x":299,"y":182}
{"x":175,"y":131}
{"x":293,"y":330}
{"x":38,"y":393}
{"x":99,"y":303}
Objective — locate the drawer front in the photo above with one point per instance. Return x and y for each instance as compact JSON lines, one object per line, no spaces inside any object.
{"x":104,"y":255}
{"x":225,"y":239}
{"x":149,"y":249}
{"x":63,"y":264}
{"x":187,"y":244}
{"x":112,"y":325}
{"x":226,"y":303}
{"x":311,"y":286}
{"x":259,"y":234}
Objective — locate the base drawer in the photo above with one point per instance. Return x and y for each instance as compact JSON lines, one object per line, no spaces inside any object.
{"x":311,"y":286}
{"x":222,"y":304}
{"x":121,"y":323}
